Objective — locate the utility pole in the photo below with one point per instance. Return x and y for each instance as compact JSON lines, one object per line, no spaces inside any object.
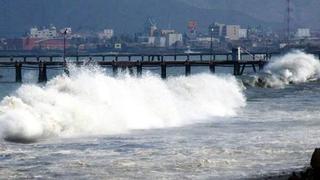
{"x":288,"y":20}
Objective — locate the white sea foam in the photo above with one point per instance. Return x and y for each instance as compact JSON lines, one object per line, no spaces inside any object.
{"x":90,"y":102}
{"x":295,"y":67}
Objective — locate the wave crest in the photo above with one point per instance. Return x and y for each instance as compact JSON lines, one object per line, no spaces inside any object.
{"x":292,"y":68}
{"x":90,"y":102}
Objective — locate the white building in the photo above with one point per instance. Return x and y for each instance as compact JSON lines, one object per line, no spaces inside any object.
{"x":151,"y":40}
{"x":152,"y":30}
{"x":303,"y":33}
{"x":47,"y":33}
{"x":243,"y":33}
{"x":160,"y":41}
{"x":106,"y":34}
{"x":164,"y":32}
{"x":174,"y":38}
{"x":232,"y":32}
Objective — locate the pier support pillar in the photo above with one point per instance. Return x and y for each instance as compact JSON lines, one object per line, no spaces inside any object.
{"x":66,"y":69}
{"x":131,"y":71}
{"x":254,"y":68}
{"x":236,"y":68}
{"x":139,"y":69}
{"x":212,"y":67}
{"x":235,"y":59}
{"x":242,"y":69}
{"x":42,"y":72}
{"x":163,"y":70}
{"x":188,"y":68}
{"x":114,"y":69}
{"x":18,"y":72}
{"x":261,"y":66}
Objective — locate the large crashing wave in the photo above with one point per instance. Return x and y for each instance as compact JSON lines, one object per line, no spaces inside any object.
{"x":293,"y":68}
{"x":90,"y":102}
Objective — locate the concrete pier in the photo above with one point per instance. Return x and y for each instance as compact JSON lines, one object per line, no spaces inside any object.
{"x":132,"y":62}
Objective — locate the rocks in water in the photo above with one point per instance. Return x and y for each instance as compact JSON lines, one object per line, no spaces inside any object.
{"x":315,"y":160}
{"x":315,"y":163}
{"x":312,"y":173}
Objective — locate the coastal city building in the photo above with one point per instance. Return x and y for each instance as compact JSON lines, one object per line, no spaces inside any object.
{"x":232,"y":32}
{"x":173,"y":39}
{"x":303,"y":33}
{"x":192,"y":29}
{"x":106,"y":34}
{"x":160,"y":41}
{"x":46,"y":33}
{"x":217,"y":30}
{"x":243,"y":33}
{"x":219,"y":36}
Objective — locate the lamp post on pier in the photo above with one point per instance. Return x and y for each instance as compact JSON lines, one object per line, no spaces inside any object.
{"x":64,"y":44}
{"x":211,"y":43}
{"x":65,"y":32}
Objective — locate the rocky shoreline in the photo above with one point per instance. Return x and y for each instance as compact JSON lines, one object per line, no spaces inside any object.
{"x":309,"y":173}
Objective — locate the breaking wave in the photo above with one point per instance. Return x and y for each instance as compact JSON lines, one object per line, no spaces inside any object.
{"x":89,"y":102}
{"x":292,"y":68}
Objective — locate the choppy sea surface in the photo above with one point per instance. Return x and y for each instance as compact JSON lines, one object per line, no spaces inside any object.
{"x":95,"y":126}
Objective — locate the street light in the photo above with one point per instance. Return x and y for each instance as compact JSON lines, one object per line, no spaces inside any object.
{"x":65,"y":32}
{"x":211,"y":43}
{"x":64,"y":44}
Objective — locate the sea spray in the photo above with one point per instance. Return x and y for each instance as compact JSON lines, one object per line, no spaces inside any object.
{"x":89,"y":102}
{"x":292,"y":68}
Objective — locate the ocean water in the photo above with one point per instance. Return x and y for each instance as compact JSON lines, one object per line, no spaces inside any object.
{"x":95,"y":126}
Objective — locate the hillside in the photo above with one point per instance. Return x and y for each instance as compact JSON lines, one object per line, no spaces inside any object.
{"x":304,"y":13}
{"x":17,"y":16}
